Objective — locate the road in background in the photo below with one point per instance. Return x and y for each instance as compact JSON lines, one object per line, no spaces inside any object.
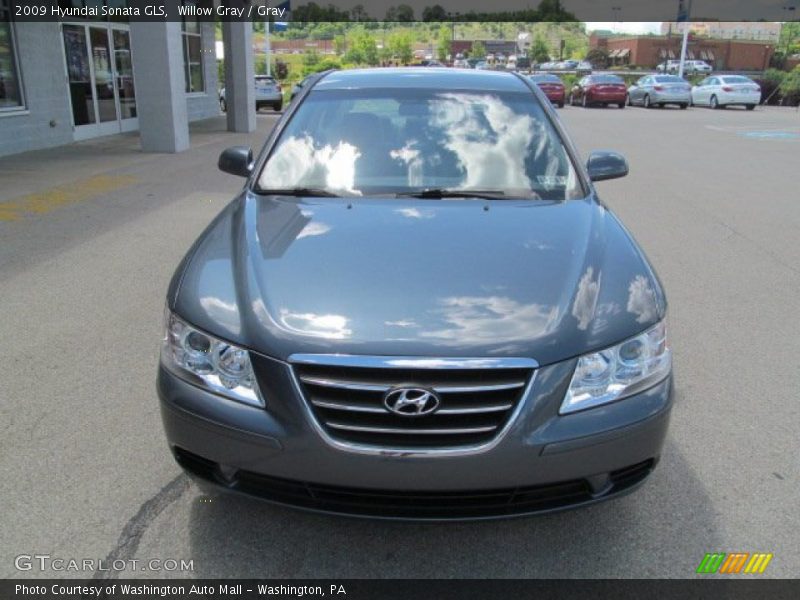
{"x":712,"y":198}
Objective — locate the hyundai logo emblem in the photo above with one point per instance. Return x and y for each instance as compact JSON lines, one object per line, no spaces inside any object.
{"x":411,"y":401}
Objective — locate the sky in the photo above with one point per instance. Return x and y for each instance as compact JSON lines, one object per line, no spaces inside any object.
{"x":626,"y":27}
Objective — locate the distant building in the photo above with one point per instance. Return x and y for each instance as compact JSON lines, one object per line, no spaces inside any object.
{"x":649,"y":51}
{"x":735,"y":30}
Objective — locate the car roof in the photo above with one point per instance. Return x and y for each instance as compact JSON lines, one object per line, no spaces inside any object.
{"x":422,"y":77}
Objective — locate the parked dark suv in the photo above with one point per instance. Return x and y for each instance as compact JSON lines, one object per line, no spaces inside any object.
{"x":417,"y":307}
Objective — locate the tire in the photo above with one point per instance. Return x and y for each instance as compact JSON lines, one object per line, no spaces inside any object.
{"x":571,"y":100}
{"x":750,"y":106}
{"x":223,"y":106}
{"x":660,"y":105}
{"x":277,"y":107}
{"x":646,"y":101}
{"x":584,"y":103}
{"x":684,"y":106}
{"x":621,"y":105}
{"x":561,"y":104}
{"x":714,"y":103}
{"x":630,"y":102}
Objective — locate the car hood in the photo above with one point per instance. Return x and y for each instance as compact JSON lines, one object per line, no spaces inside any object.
{"x":409,"y":277}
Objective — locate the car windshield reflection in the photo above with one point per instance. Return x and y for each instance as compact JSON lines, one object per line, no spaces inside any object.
{"x":394,"y":141}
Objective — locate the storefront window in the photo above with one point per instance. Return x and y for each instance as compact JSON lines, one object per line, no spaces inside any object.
{"x":10,"y":86}
{"x":192,"y":52}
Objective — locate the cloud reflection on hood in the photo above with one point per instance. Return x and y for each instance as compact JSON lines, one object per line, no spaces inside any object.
{"x":481,"y":319}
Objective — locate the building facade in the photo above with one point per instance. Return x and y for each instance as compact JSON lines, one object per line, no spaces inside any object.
{"x":649,"y":51}
{"x":76,"y":79}
{"x":730,"y":30}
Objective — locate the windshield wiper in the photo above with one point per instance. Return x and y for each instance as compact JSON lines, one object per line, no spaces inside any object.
{"x":301,"y":192}
{"x":452,"y":193}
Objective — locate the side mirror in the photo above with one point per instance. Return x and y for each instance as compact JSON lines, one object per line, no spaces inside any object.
{"x":236,"y":160}
{"x":605,"y":164}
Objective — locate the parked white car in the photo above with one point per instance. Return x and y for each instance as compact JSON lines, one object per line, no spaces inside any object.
{"x":720,"y":91}
{"x":671,"y":66}
{"x":697,"y":66}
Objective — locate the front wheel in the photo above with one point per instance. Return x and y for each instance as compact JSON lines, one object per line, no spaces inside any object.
{"x":630,"y":102}
{"x":750,"y":106}
{"x":684,"y":106}
{"x":222,"y":105}
{"x":277,"y":106}
{"x":713,"y":103}
{"x":584,"y":102}
{"x":646,"y":102}
{"x":571,"y":100}
{"x":561,"y":104}
{"x":621,"y":105}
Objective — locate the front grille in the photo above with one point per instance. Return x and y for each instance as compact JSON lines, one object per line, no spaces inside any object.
{"x":475,"y":403}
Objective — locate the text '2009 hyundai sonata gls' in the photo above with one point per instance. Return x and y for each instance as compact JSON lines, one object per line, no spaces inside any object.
{"x":417,"y":307}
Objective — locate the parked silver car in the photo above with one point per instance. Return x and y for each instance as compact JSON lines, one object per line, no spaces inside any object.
{"x":268,"y":93}
{"x":660,"y":90}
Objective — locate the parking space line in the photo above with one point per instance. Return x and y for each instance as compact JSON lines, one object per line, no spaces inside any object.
{"x":59,"y":196}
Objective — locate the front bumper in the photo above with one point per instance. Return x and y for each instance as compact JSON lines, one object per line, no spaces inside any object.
{"x":544,"y":462}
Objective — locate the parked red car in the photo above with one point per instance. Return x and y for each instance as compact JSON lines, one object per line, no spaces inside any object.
{"x":599,"y":89}
{"x":552,"y":87}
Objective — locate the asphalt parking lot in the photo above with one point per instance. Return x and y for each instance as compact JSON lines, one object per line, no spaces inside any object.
{"x":90,"y":235}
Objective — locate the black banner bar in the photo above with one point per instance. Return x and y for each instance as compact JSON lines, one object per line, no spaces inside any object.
{"x":405,"y":10}
{"x":399,"y":589}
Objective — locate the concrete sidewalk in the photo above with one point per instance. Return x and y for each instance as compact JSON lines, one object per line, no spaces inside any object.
{"x":51,"y":199}
{"x":38,"y":171}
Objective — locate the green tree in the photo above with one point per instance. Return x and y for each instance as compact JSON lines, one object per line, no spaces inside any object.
{"x":478,"y":50}
{"x":539,"y":52}
{"x":434,"y":13}
{"x":402,"y":13}
{"x":598,"y":57}
{"x":443,"y":43}
{"x":339,"y":45}
{"x":362,"y":49}
{"x":400,"y":46}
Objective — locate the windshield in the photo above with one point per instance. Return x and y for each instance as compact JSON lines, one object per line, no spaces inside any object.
{"x":736,"y":79}
{"x":390,"y":141}
{"x":669,"y":79}
{"x":545,"y":79}
{"x":604,"y":79}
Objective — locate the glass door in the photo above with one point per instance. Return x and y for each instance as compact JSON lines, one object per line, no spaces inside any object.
{"x":100,"y":80}
{"x":123,"y":77}
{"x":79,"y":77}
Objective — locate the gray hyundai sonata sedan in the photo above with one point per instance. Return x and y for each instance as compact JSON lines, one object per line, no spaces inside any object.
{"x":417,"y":307}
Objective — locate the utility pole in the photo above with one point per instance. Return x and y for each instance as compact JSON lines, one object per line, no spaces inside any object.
{"x":684,"y":12}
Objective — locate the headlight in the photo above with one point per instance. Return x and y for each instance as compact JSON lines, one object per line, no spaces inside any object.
{"x":619,"y":371}
{"x":208,"y":362}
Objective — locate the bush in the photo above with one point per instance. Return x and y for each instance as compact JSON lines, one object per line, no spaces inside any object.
{"x":770,"y":83}
{"x":790,"y":87}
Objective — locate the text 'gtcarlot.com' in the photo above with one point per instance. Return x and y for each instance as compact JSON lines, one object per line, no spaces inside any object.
{"x":46,"y":562}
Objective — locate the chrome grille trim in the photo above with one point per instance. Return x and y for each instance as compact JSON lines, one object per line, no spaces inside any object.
{"x":320,"y":421}
{"x":442,"y":389}
{"x":411,"y":362}
{"x":441,"y":411}
{"x":418,"y":431}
